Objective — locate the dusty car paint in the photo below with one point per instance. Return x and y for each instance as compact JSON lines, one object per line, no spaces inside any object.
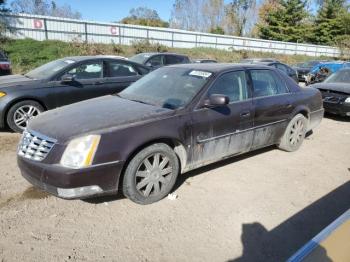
{"x":198,"y":135}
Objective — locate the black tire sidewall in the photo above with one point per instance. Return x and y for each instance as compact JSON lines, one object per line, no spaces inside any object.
{"x":129,"y":181}
{"x":9,"y":117}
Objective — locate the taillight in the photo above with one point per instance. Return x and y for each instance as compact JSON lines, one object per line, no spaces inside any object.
{"x":5,"y":66}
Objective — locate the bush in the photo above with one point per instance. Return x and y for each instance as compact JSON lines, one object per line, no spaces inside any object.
{"x":141,"y":46}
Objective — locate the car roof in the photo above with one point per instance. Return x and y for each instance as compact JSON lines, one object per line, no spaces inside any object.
{"x":81,"y":58}
{"x":160,"y":53}
{"x":217,"y":67}
{"x":258,"y":60}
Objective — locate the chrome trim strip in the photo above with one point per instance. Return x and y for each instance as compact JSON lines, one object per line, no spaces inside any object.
{"x":44,"y":137}
{"x":316,"y":111}
{"x":104,"y":164}
{"x":238,"y":132}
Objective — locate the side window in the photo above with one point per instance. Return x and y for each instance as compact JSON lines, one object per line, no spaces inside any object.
{"x":143,"y":70}
{"x":155,"y":61}
{"x":233,"y":85}
{"x":87,"y":71}
{"x":172,"y":59}
{"x":283,"y":68}
{"x":267,"y":83}
{"x":119,"y":69}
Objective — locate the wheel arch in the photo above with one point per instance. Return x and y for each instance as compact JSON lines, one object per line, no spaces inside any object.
{"x":175,"y":144}
{"x":18,"y":100}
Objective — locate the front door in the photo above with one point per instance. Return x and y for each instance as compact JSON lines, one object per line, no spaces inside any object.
{"x":222,"y":131}
{"x":88,"y":83}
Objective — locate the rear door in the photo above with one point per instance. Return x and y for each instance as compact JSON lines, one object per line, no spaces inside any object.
{"x":273,"y":105}
{"x":119,"y":75}
{"x":175,"y":59}
{"x":222,"y":131}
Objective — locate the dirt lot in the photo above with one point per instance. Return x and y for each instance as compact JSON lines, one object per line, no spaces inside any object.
{"x":258,"y":207}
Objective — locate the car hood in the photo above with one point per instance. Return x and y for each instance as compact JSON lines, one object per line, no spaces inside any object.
{"x":338,"y":87}
{"x":15,"y":81}
{"x":94,"y":116}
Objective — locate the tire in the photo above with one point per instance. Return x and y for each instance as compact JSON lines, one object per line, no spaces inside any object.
{"x":294,"y":134}
{"x":27,"y":110}
{"x":145,"y":181}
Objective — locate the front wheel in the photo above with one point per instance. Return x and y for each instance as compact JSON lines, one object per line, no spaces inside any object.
{"x":19,"y":114}
{"x":151,"y":174}
{"x":295,"y":133}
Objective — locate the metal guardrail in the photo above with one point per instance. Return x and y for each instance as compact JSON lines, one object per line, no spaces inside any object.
{"x":53,"y":28}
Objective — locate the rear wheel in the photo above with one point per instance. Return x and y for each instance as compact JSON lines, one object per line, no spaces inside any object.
{"x":19,"y":114}
{"x":151,"y":174}
{"x":295,"y":133}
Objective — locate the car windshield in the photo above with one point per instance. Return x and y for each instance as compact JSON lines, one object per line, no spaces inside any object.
{"x":49,"y":69}
{"x":342,"y":76}
{"x":167,"y":87}
{"x":140,"y":58}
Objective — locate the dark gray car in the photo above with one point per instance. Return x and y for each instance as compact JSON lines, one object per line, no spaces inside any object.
{"x":156,"y":60}
{"x":62,"y":82}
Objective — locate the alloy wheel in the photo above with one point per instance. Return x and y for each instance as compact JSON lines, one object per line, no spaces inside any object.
{"x":153,"y":175}
{"x":296,"y":132}
{"x":23,"y":114}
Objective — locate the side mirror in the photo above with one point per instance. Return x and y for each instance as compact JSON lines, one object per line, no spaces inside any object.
{"x":67,"y":79}
{"x":216,"y":100}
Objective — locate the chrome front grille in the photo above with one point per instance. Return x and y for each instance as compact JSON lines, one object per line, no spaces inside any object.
{"x":35,"y":146}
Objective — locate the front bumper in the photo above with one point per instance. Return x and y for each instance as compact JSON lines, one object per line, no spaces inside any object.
{"x":340,"y":108}
{"x":72,"y":183}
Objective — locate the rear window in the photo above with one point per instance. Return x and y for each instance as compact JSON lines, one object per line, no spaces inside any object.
{"x":3,"y":56}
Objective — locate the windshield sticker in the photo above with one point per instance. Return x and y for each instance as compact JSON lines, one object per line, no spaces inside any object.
{"x":200,"y":73}
{"x":69,"y":61}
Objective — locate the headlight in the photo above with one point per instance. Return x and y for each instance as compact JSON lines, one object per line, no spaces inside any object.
{"x":80,"y":152}
{"x":2,"y":94}
{"x":347,"y":100}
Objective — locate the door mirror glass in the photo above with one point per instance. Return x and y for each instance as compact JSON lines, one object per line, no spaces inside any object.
{"x":216,"y":100}
{"x":67,"y":78}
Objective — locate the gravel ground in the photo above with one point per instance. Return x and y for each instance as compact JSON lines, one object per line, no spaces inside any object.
{"x":261,"y":206}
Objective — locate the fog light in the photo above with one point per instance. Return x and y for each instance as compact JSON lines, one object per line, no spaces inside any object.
{"x":78,"y":191}
{"x":348,"y":113}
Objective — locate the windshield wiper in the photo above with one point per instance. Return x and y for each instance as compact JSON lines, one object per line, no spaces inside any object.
{"x":140,"y":101}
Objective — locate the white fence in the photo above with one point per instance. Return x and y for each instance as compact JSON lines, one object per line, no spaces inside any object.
{"x":53,"y":28}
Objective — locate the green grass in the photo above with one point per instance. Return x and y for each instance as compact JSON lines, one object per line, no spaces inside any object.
{"x":27,"y":54}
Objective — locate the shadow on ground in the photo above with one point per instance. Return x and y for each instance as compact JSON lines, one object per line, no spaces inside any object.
{"x":284,"y":240}
{"x":337,"y":117}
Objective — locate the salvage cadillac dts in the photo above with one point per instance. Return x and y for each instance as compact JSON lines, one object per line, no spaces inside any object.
{"x":173,"y":120}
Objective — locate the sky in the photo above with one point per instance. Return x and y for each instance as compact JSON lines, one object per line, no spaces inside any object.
{"x":115,"y":10}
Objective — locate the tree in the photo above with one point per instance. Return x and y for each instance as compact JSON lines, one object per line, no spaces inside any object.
{"x":213,"y":15}
{"x":4,"y":22}
{"x":144,"y":16}
{"x":44,"y":7}
{"x":287,"y":21}
{"x":186,"y":14}
{"x":240,"y":16}
{"x":217,"y":30}
{"x":331,"y":22}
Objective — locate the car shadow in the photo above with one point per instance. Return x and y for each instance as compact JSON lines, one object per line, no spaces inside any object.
{"x":183,"y":177}
{"x":337,"y":117}
{"x":283,"y":241}
{"x":105,"y":198}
